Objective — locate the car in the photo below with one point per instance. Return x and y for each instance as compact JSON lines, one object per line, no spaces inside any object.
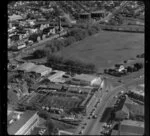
{"x":81,"y":132}
{"x":94,"y":116}
{"x":85,"y":124}
{"x":82,"y":127}
{"x":115,"y":96}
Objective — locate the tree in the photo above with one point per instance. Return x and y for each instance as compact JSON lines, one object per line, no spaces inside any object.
{"x":50,"y":127}
{"x":39,"y":53}
{"x":91,"y":31}
{"x":33,"y":37}
{"x":125,"y":61}
{"x":44,"y":114}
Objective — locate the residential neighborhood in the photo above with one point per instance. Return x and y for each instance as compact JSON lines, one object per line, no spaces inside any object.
{"x":76,"y":68}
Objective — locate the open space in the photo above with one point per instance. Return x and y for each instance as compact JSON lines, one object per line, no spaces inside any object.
{"x":106,"y":48}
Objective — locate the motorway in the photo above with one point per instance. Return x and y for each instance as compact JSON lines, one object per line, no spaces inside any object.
{"x":94,"y":125}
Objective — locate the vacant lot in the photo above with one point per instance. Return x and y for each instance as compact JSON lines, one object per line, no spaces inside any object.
{"x":106,"y":48}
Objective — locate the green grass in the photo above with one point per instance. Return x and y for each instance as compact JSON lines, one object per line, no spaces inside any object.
{"x":106,"y":48}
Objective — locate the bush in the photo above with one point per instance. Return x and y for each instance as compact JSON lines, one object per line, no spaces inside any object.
{"x":78,"y":33}
{"x":69,"y":41}
{"x":91,"y":31}
{"x":33,"y":37}
{"x":39,"y":54}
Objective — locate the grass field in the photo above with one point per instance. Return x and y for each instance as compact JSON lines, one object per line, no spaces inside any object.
{"x":106,"y":48}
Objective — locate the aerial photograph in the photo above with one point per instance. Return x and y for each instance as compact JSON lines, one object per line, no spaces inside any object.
{"x":76,"y":68}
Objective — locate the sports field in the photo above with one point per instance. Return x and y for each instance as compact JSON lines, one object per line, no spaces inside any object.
{"x":106,"y":48}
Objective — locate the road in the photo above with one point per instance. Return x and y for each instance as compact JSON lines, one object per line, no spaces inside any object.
{"x":93,"y":127}
{"x":110,"y":15}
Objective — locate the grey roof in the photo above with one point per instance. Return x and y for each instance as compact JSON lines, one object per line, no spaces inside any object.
{"x":130,"y":126}
{"x":84,"y":77}
{"x":13,"y":128}
{"x":40,"y":69}
{"x":26,"y":66}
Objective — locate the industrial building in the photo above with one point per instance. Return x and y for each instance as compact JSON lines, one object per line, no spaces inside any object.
{"x":22,"y":123}
{"x":55,"y":75}
{"x":89,"y":79}
{"x":41,"y":69}
{"x":31,"y":67}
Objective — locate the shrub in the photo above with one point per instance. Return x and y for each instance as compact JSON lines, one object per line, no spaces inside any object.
{"x":69,"y":41}
{"x":91,"y":31}
{"x":39,"y":54}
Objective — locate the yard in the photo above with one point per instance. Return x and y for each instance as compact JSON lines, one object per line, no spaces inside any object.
{"x":106,"y":48}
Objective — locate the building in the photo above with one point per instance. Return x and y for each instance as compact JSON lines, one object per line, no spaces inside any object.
{"x":22,"y":123}
{"x":41,"y":69}
{"x":56,"y":74}
{"x":26,"y":66}
{"x":123,"y":113}
{"x":98,"y":14}
{"x":131,"y":127}
{"x":89,"y":79}
{"x":84,"y":15}
{"x":62,"y":132}
{"x":89,"y":102}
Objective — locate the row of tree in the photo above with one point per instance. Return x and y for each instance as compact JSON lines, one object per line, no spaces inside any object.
{"x":55,"y":61}
{"x":75,"y":66}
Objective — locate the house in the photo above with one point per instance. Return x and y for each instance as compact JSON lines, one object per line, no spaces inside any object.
{"x":121,"y":68}
{"x":22,"y":123}
{"x":131,"y":127}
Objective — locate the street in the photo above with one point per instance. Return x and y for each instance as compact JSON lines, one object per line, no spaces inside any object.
{"x":94,"y":126}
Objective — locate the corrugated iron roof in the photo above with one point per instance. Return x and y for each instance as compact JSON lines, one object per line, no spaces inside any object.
{"x":13,"y":128}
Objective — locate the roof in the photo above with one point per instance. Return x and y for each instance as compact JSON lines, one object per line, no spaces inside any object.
{"x":130,"y":126}
{"x":15,"y":17}
{"x":114,"y":132}
{"x":127,"y":134}
{"x":84,"y":77}
{"x":52,"y":86}
{"x":13,"y":128}
{"x":56,"y":75}
{"x":125,"y":109}
{"x":99,"y":11}
{"x":40,"y":69}
{"x":26,"y":66}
